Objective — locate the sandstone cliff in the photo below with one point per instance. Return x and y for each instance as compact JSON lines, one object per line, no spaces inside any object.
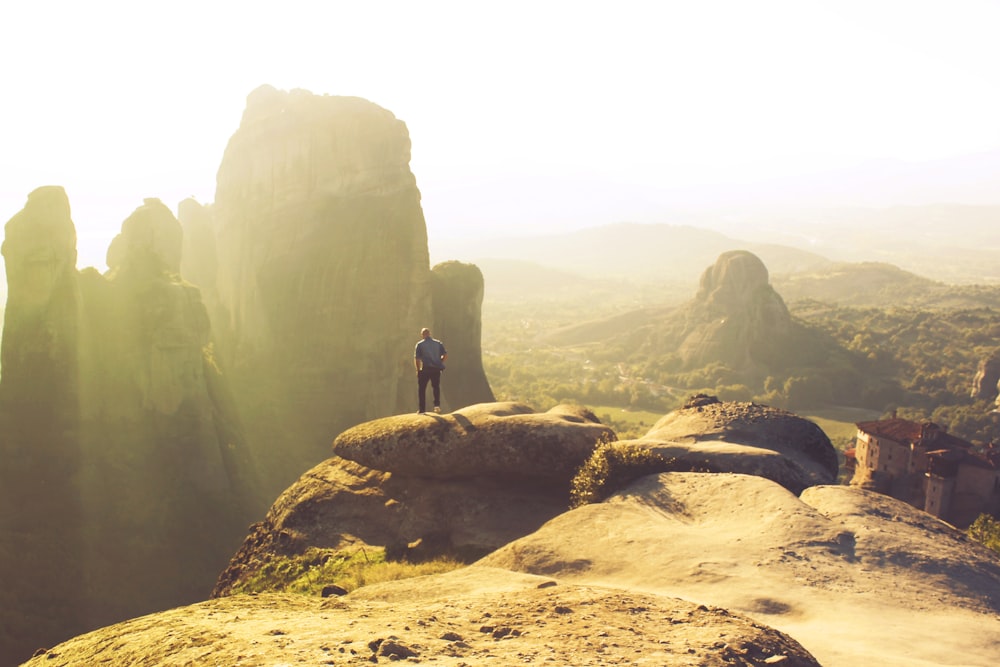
{"x":323,"y":259}
{"x":320,"y":280}
{"x":457,"y":292}
{"x":39,"y":352}
{"x":41,"y":516}
{"x":122,"y":454}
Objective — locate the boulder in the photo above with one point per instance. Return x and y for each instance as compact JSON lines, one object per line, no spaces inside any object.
{"x":746,"y":438}
{"x":492,"y":439}
{"x":344,"y":507}
{"x":464,"y":483}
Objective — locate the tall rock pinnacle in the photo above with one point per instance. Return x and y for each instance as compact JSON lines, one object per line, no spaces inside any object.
{"x":736,"y":316}
{"x":323,"y":270}
{"x":458,"y":305}
{"x":39,"y":353}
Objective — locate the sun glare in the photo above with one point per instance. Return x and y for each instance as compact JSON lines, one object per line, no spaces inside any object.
{"x":117,"y":102}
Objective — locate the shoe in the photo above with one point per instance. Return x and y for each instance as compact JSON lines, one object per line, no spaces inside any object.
{"x":437,"y":410}
{"x":420,"y":412}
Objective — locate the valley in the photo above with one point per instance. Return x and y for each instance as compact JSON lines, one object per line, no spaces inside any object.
{"x":874,"y":337}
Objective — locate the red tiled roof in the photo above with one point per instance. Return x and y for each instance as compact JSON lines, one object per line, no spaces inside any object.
{"x":899,"y":430}
{"x":964,"y":458}
{"x":907,"y":432}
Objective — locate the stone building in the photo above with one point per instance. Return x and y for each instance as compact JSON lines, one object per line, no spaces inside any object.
{"x":922,"y":464}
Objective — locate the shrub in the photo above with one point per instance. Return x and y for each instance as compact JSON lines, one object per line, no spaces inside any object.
{"x":986,"y":531}
{"x":615,"y":465}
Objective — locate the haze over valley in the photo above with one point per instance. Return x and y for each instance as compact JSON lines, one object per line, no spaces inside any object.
{"x":718,"y":287}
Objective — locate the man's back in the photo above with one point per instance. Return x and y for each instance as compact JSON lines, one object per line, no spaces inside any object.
{"x":429,"y":351}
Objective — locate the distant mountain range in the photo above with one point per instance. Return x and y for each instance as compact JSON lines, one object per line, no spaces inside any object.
{"x":859,"y":256}
{"x":630,"y":252}
{"x":946,"y":242}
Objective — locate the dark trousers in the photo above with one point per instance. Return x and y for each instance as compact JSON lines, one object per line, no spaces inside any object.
{"x":432,"y":375}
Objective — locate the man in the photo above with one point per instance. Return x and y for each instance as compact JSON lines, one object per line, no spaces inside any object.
{"x":428,"y":358}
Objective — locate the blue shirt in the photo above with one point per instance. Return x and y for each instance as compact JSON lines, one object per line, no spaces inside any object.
{"x":429,"y":351}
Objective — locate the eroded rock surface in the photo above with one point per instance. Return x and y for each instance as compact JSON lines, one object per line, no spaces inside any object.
{"x":472,"y":616}
{"x":818,"y":568}
{"x":501,"y":439}
{"x":747,"y":438}
{"x":464,"y":483}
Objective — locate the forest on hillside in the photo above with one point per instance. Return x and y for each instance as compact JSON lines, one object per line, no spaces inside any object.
{"x":917,"y":360}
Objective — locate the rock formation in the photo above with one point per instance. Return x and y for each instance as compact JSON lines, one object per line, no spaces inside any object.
{"x":42,"y":533}
{"x":747,"y":438}
{"x":199,"y":259}
{"x":735,"y":319}
{"x":984,"y":384}
{"x":323,"y":260}
{"x":674,"y":569}
{"x":122,"y":453}
{"x":39,"y":352}
{"x":466,"y":483}
{"x":307,"y":283}
{"x":496,"y":439}
{"x":320,"y":281}
{"x":457,"y":291}
{"x":736,"y":316}
{"x":474,"y":616}
{"x":825,"y":568}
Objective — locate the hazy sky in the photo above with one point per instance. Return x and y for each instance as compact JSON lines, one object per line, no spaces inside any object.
{"x":528,"y":115}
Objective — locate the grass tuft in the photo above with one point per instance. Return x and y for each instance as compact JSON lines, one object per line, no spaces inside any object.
{"x":310,"y":572}
{"x":615,"y":465}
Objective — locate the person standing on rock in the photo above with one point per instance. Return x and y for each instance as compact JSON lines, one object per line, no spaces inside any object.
{"x":428,"y":358}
